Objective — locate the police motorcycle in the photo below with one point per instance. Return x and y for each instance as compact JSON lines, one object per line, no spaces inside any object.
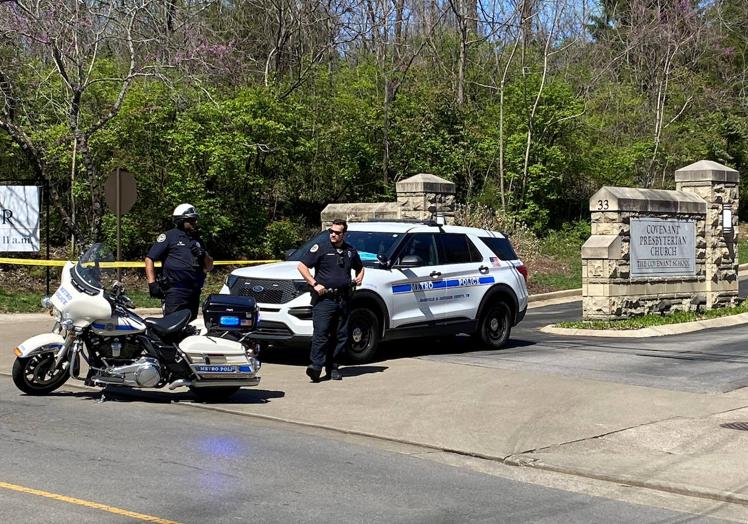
{"x":100,"y":328}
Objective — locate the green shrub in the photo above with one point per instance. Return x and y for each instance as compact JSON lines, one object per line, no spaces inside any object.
{"x":525,"y":242}
{"x":280,"y":236}
{"x":567,"y":241}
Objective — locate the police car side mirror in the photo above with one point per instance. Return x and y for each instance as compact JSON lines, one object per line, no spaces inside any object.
{"x":410,"y":261}
{"x":384,"y":262}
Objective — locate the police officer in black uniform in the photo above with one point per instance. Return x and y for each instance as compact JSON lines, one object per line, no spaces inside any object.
{"x":185,"y":263}
{"x":332,"y":261}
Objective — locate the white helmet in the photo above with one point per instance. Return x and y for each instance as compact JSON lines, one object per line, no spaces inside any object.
{"x":184,"y":212}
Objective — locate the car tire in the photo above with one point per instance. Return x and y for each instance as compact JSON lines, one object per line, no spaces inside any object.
{"x":495,"y":325}
{"x":364,"y":333}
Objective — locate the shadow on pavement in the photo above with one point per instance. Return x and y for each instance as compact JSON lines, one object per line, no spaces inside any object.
{"x":115,"y":394}
{"x":407,"y":348}
{"x":453,"y":345}
{"x":356,"y":371}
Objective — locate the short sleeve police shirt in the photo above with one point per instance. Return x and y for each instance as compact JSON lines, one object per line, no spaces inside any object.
{"x":332,"y":266}
{"x":180,"y":266}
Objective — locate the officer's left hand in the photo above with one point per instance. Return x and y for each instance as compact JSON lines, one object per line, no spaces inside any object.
{"x":359,"y":279}
{"x":197,"y":249}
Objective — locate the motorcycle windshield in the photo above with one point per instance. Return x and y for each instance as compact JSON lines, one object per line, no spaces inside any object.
{"x":90,"y":270}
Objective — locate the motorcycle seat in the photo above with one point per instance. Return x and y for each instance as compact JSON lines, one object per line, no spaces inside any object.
{"x":170,"y":324}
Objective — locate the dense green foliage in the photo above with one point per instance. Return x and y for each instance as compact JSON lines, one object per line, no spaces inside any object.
{"x":261,"y":134}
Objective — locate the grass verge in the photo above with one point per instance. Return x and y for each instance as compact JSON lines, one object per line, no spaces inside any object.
{"x":677,"y":317}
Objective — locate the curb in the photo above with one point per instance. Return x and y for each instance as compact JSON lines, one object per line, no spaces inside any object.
{"x":656,"y":331}
{"x":511,"y":460}
{"x":668,"y":487}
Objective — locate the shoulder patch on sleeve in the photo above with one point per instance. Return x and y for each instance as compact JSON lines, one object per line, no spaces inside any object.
{"x":161,"y":237}
{"x":314,"y":248}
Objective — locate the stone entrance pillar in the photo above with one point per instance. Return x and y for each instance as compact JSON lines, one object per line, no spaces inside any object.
{"x":718,"y":186}
{"x":424,"y":195}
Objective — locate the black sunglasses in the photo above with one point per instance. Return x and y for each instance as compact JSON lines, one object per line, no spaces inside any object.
{"x":333,"y":232}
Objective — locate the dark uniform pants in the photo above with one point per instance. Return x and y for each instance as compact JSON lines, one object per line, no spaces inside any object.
{"x":330,"y":338}
{"x":178,"y":298}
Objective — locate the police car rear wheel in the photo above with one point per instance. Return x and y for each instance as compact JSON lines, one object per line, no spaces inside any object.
{"x":364,"y":335}
{"x":495,"y":325}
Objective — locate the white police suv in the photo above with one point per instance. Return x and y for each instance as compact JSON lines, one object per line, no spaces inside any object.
{"x":422,"y":280}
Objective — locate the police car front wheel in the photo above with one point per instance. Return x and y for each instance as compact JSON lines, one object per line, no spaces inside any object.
{"x":364,"y":335}
{"x":495,"y":325}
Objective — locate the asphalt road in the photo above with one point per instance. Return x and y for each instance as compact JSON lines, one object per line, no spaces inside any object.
{"x":171,"y":462}
{"x":708,"y":361}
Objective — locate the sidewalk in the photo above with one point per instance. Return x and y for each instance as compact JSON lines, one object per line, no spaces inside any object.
{"x":666,"y":440}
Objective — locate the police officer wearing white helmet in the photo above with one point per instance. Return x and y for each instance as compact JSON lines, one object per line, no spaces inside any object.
{"x":185,"y":263}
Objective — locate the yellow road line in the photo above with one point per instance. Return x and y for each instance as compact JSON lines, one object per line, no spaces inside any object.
{"x":88,"y":504}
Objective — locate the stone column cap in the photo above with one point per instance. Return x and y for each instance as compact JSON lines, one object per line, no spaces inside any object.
{"x":610,"y":198}
{"x":706,"y":171}
{"x":425,"y":183}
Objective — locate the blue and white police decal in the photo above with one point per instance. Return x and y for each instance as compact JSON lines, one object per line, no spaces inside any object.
{"x":425,"y":285}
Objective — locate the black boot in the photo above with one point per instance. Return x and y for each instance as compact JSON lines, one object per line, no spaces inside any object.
{"x":313,"y":373}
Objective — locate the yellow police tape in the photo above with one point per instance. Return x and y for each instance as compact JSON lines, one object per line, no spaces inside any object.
{"x":60,"y":263}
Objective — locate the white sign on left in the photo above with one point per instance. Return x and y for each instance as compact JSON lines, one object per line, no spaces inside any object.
{"x":19,"y":218}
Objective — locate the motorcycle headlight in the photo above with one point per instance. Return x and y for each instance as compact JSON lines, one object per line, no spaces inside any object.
{"x":46,"y":303}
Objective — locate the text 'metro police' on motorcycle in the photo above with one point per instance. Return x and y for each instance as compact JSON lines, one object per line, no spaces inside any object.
{"x":98,"y":328}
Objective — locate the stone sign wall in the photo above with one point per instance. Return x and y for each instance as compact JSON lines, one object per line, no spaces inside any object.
{"x":658,"y":251}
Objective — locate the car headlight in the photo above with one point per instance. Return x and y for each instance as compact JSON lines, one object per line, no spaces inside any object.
{"x":301,"y":286}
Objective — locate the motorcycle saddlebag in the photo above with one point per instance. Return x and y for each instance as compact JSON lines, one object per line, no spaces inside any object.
{"x":230,"y":313}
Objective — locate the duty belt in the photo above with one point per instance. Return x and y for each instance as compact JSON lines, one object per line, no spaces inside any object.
{"x":337,"y":294}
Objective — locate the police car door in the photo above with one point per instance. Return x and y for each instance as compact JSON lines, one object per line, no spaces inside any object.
{"x":416,"y":296}
{"x":465,"y":274}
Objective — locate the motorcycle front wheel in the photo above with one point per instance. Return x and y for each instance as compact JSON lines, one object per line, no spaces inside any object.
{"x":36,"y":375}
{"x":216,"y":394}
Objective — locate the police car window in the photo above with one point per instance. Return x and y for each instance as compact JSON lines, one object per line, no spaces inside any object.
{"x":371,"y":244}
{"x":501,"y":247}
{"x":423,"y":246}
{"x":475,"y":255}
{"x":457,"y":249}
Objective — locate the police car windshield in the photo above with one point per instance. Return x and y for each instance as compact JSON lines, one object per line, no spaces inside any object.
{"x":369,"y":244}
